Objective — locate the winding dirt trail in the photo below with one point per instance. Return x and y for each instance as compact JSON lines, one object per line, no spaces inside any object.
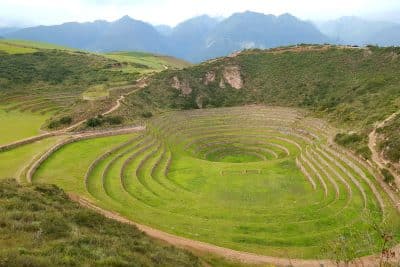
{"x":376,"y":156}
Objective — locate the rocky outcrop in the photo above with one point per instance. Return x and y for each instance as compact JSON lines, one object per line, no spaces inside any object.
{"x":209,"y":77}
{"x":233,"y":77}
{"x":183,"y":86}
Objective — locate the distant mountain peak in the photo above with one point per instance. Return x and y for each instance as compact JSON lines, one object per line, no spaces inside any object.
{"x":124,"y":19}
{"x":288,"y":16}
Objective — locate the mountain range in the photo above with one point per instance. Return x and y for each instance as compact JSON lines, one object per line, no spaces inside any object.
{"x":358,"y":31}
{"x":203,"y":37}
{"x":196,"y":39}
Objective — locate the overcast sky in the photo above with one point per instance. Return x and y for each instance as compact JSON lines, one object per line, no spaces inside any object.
{"x":171,"y":12}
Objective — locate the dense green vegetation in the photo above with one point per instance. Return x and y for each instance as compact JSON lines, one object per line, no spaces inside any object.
{"x":389,"y":142}
{"x":356,"y":142}
{"x":40,"y":226}
{"x":253,"y":178}
{"x":344,"y":84}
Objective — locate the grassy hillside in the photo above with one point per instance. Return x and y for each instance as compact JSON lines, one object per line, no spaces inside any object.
{"x":343,"y":84}
{"x":40,"y":226}
{"x":389,"y":142}
{"x":32,"y":45}
{"x":145,"y":62}
{"x":54,"y":82}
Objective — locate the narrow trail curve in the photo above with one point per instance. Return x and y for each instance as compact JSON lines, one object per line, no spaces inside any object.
{"x":230,"y":254}
{"x":376,"y":156}
{"x":71,"y":127}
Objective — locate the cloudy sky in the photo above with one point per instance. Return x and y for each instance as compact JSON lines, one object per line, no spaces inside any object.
{"x":171,"y":12}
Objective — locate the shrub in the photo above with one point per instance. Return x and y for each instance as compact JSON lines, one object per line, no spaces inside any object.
{"x":94,"y":122}
{"x":55,"y":227}
{"x":364,"y":152}
{"x":115,"y":120}
{"x":387,"y":176}
{"x":54,"y":124}
{"x":147,"y":114}
{"x":65,"y":120}
{"x":345,"y":139}
{"x":62,"y":121}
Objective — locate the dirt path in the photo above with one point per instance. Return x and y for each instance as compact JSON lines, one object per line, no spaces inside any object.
{"x":376,"y":156}
{"x":245,"y":257}
{"x":69,"y":128}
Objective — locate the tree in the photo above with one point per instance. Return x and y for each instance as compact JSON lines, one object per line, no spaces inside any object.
{"x":385,"y":232}
{"x":344,"y":249}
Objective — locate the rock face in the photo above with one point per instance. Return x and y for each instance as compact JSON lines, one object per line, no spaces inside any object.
{"x":209,"y":77}
{"x":182,"y":86}
{"x":233,"y":77}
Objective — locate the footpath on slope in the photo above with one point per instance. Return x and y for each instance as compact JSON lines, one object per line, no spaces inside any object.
{"x":376,"y":156}
{"x":32,"y":139}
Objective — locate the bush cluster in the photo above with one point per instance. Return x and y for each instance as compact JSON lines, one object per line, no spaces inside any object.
{"x":101,"y":120}
{"x":66,"y":120}
{"x":387,"y":176}
{"x":147,"y":114}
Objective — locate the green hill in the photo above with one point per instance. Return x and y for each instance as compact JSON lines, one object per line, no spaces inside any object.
{"x":353,"y":87}
{"x":24,"y":44}
{"x":54,"y":82}
{"x":145,"y":62}
{"x":40,"y":226}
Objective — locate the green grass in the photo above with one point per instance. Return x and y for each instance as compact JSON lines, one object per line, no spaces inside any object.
{"x":13,"y":49}
{"x":18,"y":125}
{"x":96,"y":92}
{"x":40,"y":226}
{"x":144,"y":62}
{"x":13,"y":162}
{"x":229,"y":177}
{"x":34,"y":45}
{"x":87,"y":150}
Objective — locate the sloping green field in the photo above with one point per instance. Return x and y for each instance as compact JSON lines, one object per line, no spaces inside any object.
{"x":17,"y":125}
{"x":145,"y":62}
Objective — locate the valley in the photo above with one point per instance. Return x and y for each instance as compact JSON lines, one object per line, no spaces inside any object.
{"x":263,"y":157}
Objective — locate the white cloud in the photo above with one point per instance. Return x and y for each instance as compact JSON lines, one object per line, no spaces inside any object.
{"x":173,"y":11}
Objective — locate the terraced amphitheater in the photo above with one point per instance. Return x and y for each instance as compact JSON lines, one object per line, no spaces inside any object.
{"x":257,"y":179}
